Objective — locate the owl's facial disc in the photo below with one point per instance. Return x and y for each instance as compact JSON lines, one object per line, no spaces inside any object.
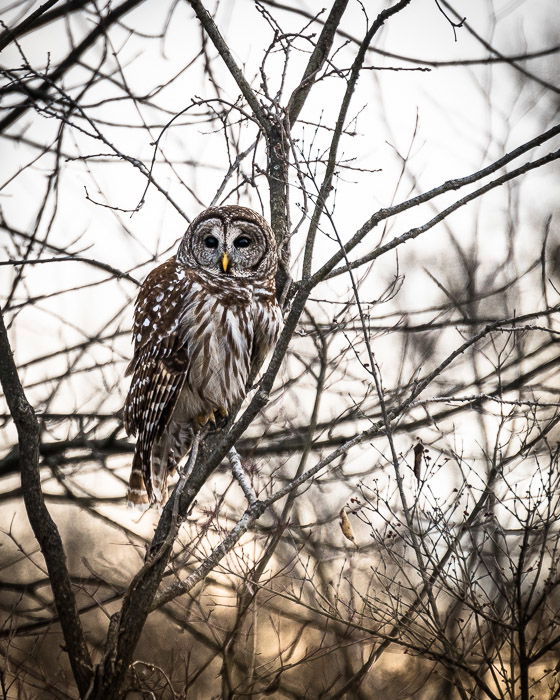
{"x":230,"y":245}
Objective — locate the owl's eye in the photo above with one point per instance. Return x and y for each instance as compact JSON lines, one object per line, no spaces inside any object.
{"x":242,"y":242}
{"x":211,"y":242}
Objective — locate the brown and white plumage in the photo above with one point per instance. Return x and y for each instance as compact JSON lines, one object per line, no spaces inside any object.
{"x":203,"y":321}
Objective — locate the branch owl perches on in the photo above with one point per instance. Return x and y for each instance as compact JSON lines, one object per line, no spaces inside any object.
{"x":204,"y":321}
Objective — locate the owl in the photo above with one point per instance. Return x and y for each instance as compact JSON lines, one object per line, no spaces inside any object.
{"x":204,"y":321}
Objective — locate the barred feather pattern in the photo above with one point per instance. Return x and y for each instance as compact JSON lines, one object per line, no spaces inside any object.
{"x":197,"y":337}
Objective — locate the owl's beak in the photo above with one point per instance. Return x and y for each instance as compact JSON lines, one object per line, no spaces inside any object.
{"x":225,"y":262}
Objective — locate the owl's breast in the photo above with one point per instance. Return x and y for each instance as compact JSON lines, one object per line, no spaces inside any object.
{"x":219,"y":338}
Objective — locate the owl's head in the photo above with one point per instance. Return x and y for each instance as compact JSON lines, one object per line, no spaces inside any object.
{"x":230,"y":240}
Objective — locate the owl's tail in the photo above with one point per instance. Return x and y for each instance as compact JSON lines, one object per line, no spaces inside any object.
{"x":147,"y":483}
{"x":155,"y":461}
{"x":137,"y":495}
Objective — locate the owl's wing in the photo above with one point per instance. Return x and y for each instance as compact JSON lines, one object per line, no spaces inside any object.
{"x":157,"y":344}
{"x":160,"y":360}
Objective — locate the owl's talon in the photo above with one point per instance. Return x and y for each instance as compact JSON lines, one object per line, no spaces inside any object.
{"x":204,"y":418}
{"x":223,"y":412}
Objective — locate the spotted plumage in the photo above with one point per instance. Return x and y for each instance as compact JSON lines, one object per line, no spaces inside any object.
{"x":204,"y":321}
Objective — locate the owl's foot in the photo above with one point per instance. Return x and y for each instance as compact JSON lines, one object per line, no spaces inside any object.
{"x":204,"y":418}
{"x":223,"y":412}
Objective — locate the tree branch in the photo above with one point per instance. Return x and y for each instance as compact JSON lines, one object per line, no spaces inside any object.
{"x":73,"y":57}
{"x":44,"y":527}
{"x":316,"y":60}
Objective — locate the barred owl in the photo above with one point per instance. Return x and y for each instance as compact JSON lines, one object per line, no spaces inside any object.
{"x":203,"y":321}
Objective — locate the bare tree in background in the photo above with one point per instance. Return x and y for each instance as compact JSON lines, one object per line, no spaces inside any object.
{"x":411,"y":399}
